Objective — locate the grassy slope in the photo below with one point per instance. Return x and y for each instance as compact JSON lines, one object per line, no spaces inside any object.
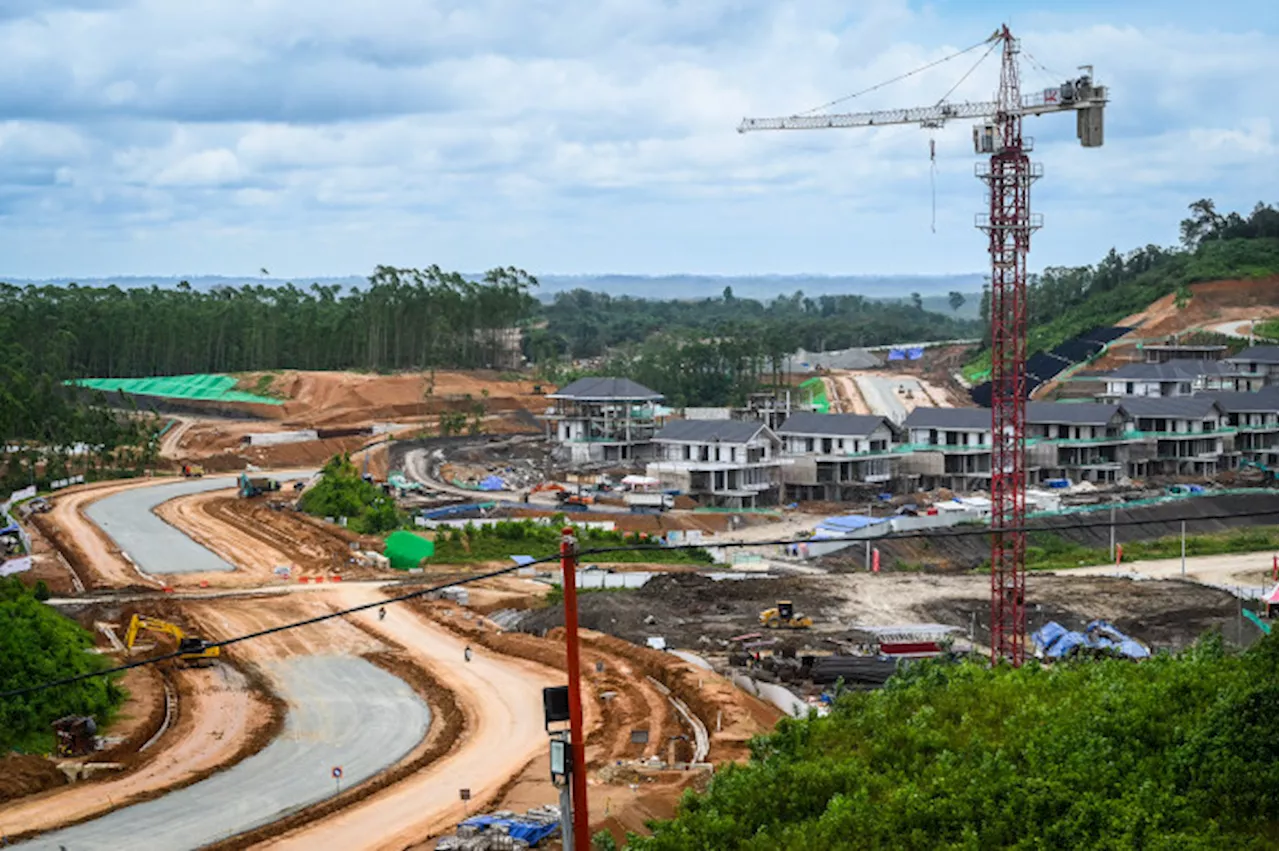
{"x":1174,"y":752}
{"x":1236,"y":259}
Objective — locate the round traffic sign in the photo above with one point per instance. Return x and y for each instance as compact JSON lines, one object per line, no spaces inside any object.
{"x":337,"y":772}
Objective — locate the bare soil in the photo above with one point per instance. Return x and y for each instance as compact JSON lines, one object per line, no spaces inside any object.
{"x":1211,"y":302}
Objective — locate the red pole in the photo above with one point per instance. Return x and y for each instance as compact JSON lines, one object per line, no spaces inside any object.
{"x":577,"y":743}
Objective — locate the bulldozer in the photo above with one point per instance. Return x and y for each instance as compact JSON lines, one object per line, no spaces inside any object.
{"x":195,"y":652}
{"x":784,"y":616}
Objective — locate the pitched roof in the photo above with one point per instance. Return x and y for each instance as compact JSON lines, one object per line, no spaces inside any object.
{"x":1170,"y":371}
{"x":845,"y":425}
{"x":1259,"y":354}
{"x":710,"y":431}
{"x":962,"y":418}
{"x":1266,"y":400}
{"x":605,"y":389}
{"x":1174,"y":407}
{"x":1073,"y":413}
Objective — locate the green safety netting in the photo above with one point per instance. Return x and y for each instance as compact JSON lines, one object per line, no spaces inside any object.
{"x":818,"y":394}
{"x":204,"y":387}
{"x":406,"y":550}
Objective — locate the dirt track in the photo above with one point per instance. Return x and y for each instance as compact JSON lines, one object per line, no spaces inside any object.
{"x":501,"y":699}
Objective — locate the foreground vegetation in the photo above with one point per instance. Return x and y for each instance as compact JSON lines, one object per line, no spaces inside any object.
{"x":1066,"y":301}
{"x":1047,"y":551}
{"x":1175,"y":752}
{"x":500,"y":541}
{"x":342,"y":493}
{"x":36,"y":645}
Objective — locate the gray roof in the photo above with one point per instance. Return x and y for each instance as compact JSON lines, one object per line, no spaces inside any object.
{"x":1072,"y":413}
{"x":1259,"y":354}
{"x":1170,"y":371}
{"x":1266,"y":400}
{"x":845,"y":425}
{"x":972,"y":419}
{"x":605,"y":389}
{"x":1173,"y":407}
{"x":710,"y":431}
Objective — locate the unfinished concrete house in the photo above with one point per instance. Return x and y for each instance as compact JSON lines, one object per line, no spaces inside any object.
{"x":603,"y":420}
{"x":1078,"y":441}
{"x":949,"y":448}
{"x":730,"y":463}
{"x":834,"y":454}
{"x":1254,"y":417}
{"x":1180,"y":436}
{"x":1255,"y":368}
{"x":1165,"y":380}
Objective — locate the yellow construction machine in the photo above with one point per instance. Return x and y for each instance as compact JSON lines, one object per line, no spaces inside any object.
{"x":195,"y":651}
{"x":784,"y":616}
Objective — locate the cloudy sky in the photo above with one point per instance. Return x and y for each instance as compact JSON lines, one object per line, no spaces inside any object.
{"x":577,"y":136}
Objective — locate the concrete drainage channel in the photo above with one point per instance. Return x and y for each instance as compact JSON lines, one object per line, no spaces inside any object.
{"x":343,"y":711}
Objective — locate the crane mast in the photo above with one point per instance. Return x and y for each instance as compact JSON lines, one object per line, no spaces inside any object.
{"x":1008,"y":225}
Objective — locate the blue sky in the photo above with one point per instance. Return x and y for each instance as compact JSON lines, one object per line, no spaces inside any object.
{"x":578,"y":136}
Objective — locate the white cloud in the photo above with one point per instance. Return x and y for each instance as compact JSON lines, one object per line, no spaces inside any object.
{"x":481,"y":133}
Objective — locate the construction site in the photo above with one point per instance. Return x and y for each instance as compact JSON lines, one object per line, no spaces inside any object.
{"x":329,"y":682}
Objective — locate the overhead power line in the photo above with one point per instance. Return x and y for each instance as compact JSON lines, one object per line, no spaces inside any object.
{"x":782,"y":542}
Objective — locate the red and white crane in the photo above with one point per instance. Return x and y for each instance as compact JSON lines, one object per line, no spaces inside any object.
{"x":1008,"y":225}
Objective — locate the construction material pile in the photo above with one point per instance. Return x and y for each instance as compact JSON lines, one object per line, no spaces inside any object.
{"x":504,"y":831}
{"x":1054,"y":641}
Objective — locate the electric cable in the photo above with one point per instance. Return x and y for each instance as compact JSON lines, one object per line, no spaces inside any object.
{"x":890,"y":536}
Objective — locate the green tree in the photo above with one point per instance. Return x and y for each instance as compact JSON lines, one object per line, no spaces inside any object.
{"x":956,"y":300}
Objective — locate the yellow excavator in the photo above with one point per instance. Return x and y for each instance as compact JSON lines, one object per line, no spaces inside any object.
{"x":195,"y":652}
{"x":784,"y":616}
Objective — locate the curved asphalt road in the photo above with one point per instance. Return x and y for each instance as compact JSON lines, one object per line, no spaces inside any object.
{"x":154,"y":545}
{"x":343,"y":711}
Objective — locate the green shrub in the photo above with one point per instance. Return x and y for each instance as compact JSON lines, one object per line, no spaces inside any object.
{"x":38,"y":645}
{"x":1173,"y":752}
{"x":342,"y":493}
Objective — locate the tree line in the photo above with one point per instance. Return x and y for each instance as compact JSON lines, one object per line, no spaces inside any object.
{"x":1063,"y":301}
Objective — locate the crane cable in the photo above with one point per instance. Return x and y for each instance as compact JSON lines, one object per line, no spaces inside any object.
{"x":900,"y":77}
{"x":933,"y":150}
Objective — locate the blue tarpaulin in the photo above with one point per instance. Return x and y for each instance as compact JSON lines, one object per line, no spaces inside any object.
{"x":1054,"y":641}
{"x":530,"y":831}
{"x":915,"y":353}
{"x":844,"y":523}
{"x":492,"y":483}
{"x":897,"y":354}
{"x":11,"y":529}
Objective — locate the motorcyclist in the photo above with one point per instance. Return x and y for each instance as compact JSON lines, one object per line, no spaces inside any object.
{"x":382,"y":613}
{"x":466,"y":654}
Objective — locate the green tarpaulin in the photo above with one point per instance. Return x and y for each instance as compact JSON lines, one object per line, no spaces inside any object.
{"x":406,"y":550}
{"x":205,"y":387}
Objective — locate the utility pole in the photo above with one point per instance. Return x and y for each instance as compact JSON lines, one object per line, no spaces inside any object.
{"x":1008,"y":225}
{"x":577,"y":742}
{"x":1112,"y":551}
{"x":1184,"y":548}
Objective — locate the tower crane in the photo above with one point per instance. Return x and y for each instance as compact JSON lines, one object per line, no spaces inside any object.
{"x":1008,"y":224}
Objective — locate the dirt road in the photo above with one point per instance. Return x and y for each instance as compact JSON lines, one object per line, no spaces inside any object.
{"x":343,"y":711}
{"x":502,"y":701}
{"x":219,"y":716}
{"x":1247,"y":570}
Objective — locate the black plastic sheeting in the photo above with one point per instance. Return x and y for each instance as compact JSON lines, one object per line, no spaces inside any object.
{"x":1043,"y":366}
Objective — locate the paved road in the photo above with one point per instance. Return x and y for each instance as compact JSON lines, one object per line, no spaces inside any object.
{"x":154,"y":545}
{"x":343,"y":711}
{"x":882,"y":398}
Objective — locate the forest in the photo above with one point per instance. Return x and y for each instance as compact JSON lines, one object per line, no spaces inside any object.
{"x":1173,"y":752}
{"x":38,"y":644}
{"x":1065,"y":301}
